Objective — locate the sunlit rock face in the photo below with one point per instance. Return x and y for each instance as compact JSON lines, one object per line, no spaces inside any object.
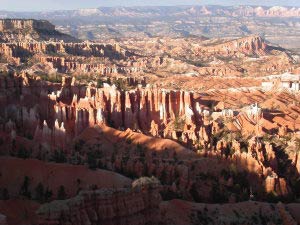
{"x":69,"y":109}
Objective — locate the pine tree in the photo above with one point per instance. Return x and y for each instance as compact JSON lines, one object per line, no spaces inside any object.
{"x":61,"y":194}
{"x":25,"y":187}
{"x":4,"y":194}
{"x":48,"y":194}
{"x":39,"y":193}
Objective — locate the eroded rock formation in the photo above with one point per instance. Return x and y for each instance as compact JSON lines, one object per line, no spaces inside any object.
{"x":252,"y":45}
{"x":136,"y":205}
{"x":53,"y":115}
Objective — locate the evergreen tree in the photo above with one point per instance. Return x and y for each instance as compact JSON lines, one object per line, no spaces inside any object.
{"x":92,"y":162}
{"x":48,"y":194}
{"x":4,"y":194}
{"x":23,"y":153}
{"x":39,"y":193}
{"x":25,"y":187}
{"x":61,"y":194}
{"x":59,"y":156}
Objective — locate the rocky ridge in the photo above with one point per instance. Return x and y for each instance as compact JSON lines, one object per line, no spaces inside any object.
{"x":136,"y":205}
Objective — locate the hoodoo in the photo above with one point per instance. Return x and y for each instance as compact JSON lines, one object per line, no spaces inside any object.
{"x":156,"y":126}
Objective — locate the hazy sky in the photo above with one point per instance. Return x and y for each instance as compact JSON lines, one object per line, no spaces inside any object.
{"x":37,"y":5}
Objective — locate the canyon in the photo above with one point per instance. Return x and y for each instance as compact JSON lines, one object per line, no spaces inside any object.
{"x":277,"y":24}
{"x":143,"y":130}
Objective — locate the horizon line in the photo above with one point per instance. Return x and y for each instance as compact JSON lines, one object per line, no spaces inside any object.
{"x":146,"y":6}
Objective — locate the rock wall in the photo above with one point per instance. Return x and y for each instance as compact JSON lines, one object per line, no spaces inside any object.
{"x":252,"y":45}
{"x":25,"y":24}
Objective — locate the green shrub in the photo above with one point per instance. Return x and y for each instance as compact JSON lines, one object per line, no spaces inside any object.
{"x":92,"y":161}
{"x":59,"y":156}
{"x":23,"y":153}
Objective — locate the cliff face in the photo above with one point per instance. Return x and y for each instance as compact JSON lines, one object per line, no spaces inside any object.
{"x":7,"y":25}
{"x":136,"y":205}
{"x":252,"y":45}
{"x":12,"y":30}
